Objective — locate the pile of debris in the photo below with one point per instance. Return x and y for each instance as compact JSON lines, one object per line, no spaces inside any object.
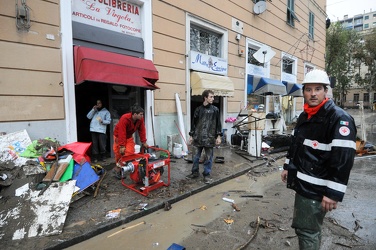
{"x":364,"y":148}
{"x":38,"y":181}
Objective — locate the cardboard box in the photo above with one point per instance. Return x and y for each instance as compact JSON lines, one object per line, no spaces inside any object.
{"x":256,"y":120}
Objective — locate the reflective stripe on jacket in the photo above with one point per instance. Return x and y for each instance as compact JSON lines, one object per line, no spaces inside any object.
{"x":322,"y":153}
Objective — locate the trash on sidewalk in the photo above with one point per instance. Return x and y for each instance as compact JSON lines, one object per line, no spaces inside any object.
{"x":219,"y":159}
{"x":12,"y":145}
{"x":142,"y":206}
{"x":46,"y":215}
{"x":167,"y":206}
{"x":85,"y":176}
{"x":218,"y":150}
{"x":252,"y":195}
{"x":228,"y":221}
{"x":175,"y":246}
{"x":257,"y":225}
{"x":203,"y":208}
{"x":113,"y":213}
{"x":228,"y":200}
{"x":234,"y":206}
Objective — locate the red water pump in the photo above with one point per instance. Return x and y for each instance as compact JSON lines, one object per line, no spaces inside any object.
{"x":145,"y":170}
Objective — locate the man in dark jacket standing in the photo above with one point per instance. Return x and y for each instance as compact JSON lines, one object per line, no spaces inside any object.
{"x":319,"y":160}
{"x":206,"y":132}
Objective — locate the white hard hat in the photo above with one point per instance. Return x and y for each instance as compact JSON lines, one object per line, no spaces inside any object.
{"x":316,"y":76}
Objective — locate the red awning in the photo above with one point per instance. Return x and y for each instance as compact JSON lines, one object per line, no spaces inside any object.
{"x":102,"y":66}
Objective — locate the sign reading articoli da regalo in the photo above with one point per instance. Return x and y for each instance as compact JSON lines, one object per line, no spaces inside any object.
{"x":115,"y":15}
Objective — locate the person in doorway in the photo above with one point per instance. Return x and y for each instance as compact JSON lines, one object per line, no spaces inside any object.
{"x":319,"y":159}
{"x":124,"y":143}
{"x":206,"y":132}
{"x":100,"y":118}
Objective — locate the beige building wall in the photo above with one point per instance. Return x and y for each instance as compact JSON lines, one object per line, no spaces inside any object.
{"x":30,"y":64}
{"x":269,"y":27}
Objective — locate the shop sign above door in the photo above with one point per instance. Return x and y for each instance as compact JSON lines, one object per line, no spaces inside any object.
{"x":110,"y":15}
{"x":208,"y":63}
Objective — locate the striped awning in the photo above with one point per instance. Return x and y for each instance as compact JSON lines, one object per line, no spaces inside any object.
{"x":264,"y":86}
{"x":293,"y":89}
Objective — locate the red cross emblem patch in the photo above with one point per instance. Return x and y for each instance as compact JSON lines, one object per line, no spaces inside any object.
{"x":344,"y":131}
{"x":315,"y":144}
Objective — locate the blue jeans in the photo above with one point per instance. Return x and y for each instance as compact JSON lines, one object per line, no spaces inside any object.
{"x":208,"y":160}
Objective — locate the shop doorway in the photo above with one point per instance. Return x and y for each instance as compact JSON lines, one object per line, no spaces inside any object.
{"x":118,"y":99}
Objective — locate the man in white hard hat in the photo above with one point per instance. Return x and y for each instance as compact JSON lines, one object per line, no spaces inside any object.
{"x":319,"y":160}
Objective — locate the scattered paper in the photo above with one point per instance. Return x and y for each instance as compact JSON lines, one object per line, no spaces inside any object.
{"x":228,"y":200}
{"x":113,"y":213}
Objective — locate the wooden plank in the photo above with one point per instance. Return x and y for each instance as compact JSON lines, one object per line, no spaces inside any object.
{"x":50,"y":174}
{"x":63,"y":164}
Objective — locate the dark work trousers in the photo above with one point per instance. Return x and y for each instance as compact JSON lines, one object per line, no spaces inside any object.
{"x":99,"y":144}
{"x":307,"y":221}
{"x":208,"y":160}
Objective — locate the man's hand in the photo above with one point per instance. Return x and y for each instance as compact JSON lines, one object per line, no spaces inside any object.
{"x":328,"y":204}
{"x":284,"y":176}
{"x":145,"y":145}
{"x":190,"y":140}
{"x":218,"y":140}
{"x":122,"y":150}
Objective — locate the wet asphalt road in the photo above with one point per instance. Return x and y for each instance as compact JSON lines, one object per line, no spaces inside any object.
{"x":358,"y":208}
{"x":357,"y":213}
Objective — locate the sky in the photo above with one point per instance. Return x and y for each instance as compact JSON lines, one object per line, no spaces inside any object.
{"x":336,"y":9}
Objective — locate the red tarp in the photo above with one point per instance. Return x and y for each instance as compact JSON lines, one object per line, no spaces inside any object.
{"x":102,"y":66}
{"x":79,"y":149}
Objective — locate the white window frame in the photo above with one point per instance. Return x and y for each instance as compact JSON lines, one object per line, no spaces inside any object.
{"x":287,"y":76}
{"x":308,"y":65}
{"x":207,"y":26}
{"x":190,"y":19}
{"x":249,"y":69}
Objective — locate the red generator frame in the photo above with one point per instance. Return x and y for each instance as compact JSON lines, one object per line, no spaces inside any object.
{"x":145,"y":171}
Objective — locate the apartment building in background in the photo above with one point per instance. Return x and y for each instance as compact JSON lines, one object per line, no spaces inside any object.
{"x":364,"y":24}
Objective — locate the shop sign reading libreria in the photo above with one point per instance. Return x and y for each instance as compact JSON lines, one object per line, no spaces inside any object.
{"x":115,"y":15}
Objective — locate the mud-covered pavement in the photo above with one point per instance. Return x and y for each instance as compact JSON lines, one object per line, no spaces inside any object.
{"x":206,"y":221}
{"x":86,"y":216}
{"x":350,"y":226}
